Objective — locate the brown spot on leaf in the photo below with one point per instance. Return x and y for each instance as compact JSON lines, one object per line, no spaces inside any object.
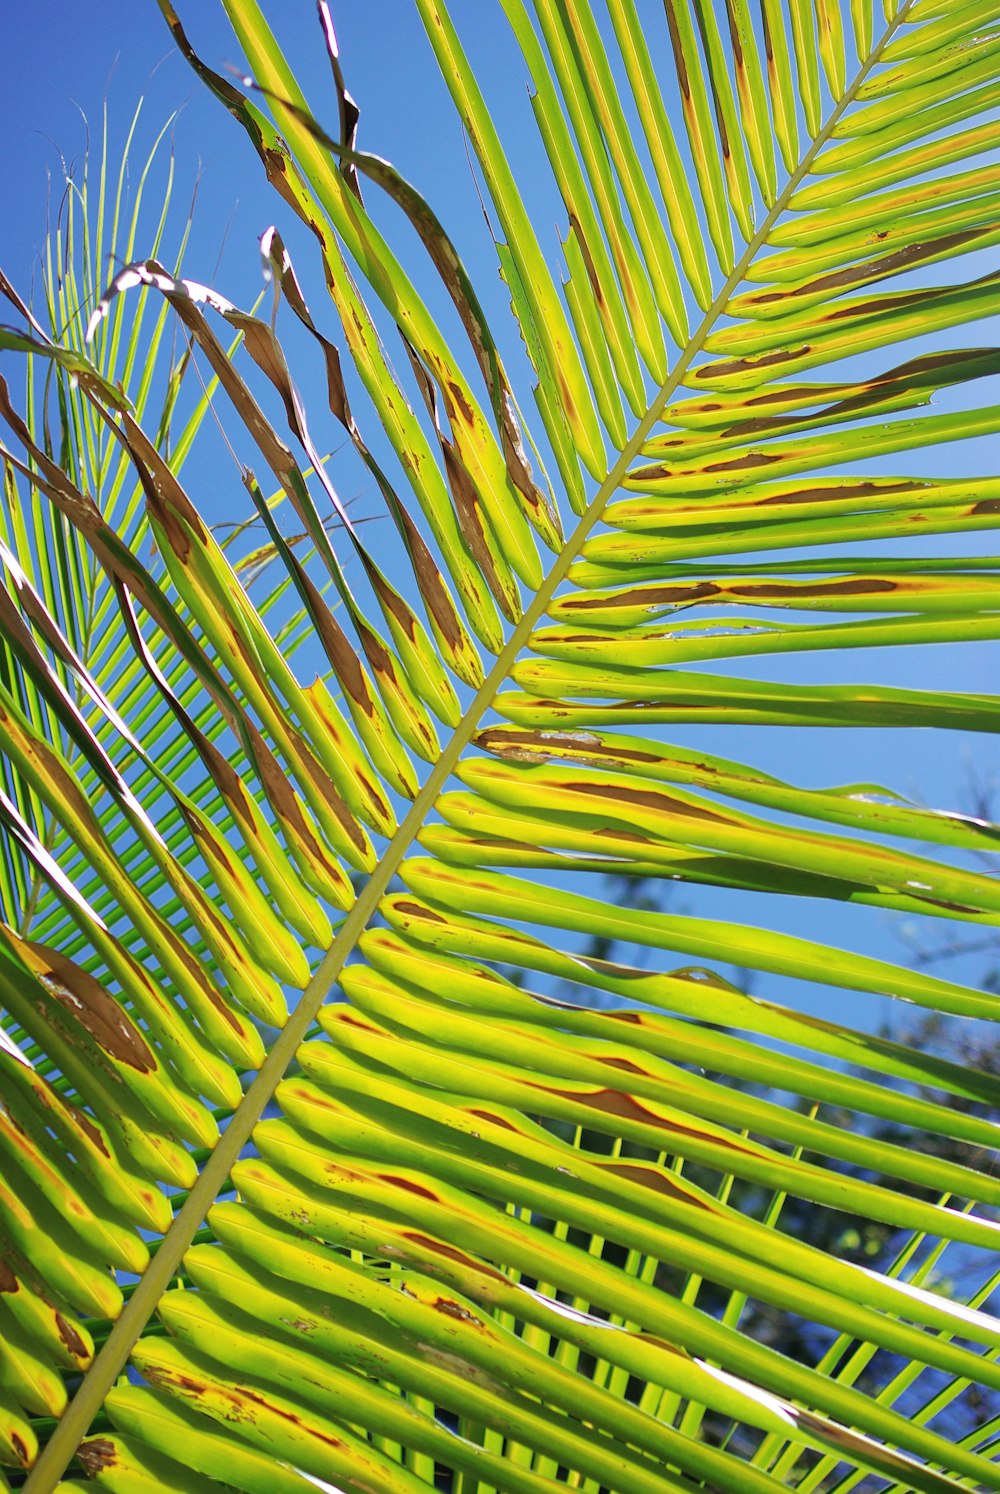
{"x":97,"y":1454}
{"x":850,"y":586}
{"x":639,"y":596}
{"x":459,"y":397}
{"x":588,"y":258}
{"x":909,"y":255}
{"x":625,"y":1064}
{"x":747,"y":462}
{"x":836,"y":492}
{"x":394,"y":603}
{"x":648,"y":1177}
{"x":88,"y":1128}
{"x":414,"y":910}
{"x":70,"y":1337}
{"x":453,"y":1309}
{"x":496,"y":1120}
{"x":409,"y":1186}
{"x":649,"y":799}
{"x":682,"y":73}
{"x":349,"y":1018}
{"x":89,"y":1004}
{"x":438,"y":1247}
{"x":771,"y":359}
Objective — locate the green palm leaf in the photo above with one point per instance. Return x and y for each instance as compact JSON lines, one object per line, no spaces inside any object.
{"x":307,"y":1115}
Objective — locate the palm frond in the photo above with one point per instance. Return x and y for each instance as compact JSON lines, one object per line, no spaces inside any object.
{"x":341,"y":1103}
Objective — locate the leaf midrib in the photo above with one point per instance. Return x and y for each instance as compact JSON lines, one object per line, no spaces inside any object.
{"x":166,"y":1261}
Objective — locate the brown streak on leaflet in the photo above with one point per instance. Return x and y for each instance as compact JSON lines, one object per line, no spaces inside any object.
{"x":749,"y":461}
{"x":233,"y":1393}
{"x":395,"y":604}
{"x":220,"y":848}
{"x":627,"y":1107}
{"x":276,"y":171}
{"x":438,"y":1247}
{"x":347,"y":1017}
{"x":70,"y":1337}
{"x":462,"y":404}
{"x":449,"y":266}
{"x":682,"y":74}
{"x":588,"y":259}
{"x":298,"y":1421}
{"x":656,"y":1181}
{"x":768,"y":47}
{"x":86,"y":1125}
{"x":831,"y":493}
{"x":494,"y":842}
{"x":649,"y":799}
{"x":869,"y":269}
{"x":414,"y":910}
{"x":716,"y":97}
{"x":750,"y":365}
{"x":834,"y":492}
{"x":283,"y":798}
{"x":904,"y":380}
{"x":692,"y":591}
{"x":375,"y":651}
{"x":178,"y":500}
{"x":700,"y":590}
{"x":428,"y":576}
{"x":157,"y":1376}
{"x":517,"y":748}
{"x":468,"y":504}
{"x":906,"y":298}
{"x":495,"y":1120}
{"x":431,"y":585}
{"x":8,"y":1281}
{"x":410,"y":1187}
{"x":96,"y":1455}
{"x":335,"y":643}
{"x":735,"y":37}
{"x":848,"y":587}
{"x":452,"y":1309}
{"x":226,"y":779}
{"x":936,"y":902}
{"x":557,"y":744}
{"x":926,"y":363}
{"x":468,"y":512}
{"x":88,"y":1002}
{"x":625,"y":1064}
{"x":308,"y":762}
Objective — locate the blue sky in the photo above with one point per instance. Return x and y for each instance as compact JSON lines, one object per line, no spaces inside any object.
{"x":64,"y":58}
{"x":64,"y":62}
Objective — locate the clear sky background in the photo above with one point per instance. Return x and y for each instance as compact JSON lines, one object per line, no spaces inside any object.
{"x":63,"y":59}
